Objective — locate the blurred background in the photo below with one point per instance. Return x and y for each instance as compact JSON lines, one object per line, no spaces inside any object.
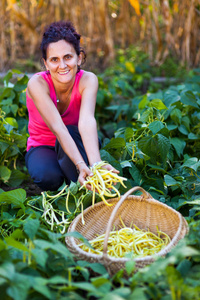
{"x":163,"y":30}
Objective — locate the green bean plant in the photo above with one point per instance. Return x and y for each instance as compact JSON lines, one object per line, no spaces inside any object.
{"x":13,"y":128}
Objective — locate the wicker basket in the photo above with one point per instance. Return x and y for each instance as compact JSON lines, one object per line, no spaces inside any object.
{"x":143,"y":211}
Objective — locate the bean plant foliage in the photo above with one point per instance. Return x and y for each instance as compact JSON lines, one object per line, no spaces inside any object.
{"x":153,"y":139}
{"x":13,"y":127}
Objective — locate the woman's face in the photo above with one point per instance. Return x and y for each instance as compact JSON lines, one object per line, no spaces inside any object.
{"x":62,"y":61}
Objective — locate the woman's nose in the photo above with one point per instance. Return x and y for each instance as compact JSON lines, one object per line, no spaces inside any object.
{"x":62,"y":64}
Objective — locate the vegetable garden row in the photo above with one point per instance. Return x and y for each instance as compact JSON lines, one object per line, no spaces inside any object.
{"x":153,"y":139}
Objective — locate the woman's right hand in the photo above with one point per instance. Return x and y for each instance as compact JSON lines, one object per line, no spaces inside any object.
{"x":84,"y":172}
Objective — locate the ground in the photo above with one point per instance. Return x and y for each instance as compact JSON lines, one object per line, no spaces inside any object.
{"x":28,"y":185}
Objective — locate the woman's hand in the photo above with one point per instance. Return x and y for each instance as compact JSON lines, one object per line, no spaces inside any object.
{"x":110,"y":168}
{"x":84,"y":172}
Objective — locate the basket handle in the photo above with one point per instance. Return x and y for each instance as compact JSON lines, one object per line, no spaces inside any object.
{"x":113,"y":214}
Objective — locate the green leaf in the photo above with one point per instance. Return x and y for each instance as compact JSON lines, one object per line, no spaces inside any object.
{"x":183,"y":129}
{"x":156,"y":126}
{"x":164,"y":146}
{"x":7,"y":270}
{"x":193,"y":136}
{"x":138,"y":293}
{"x":101,"y":281}
{"x":39,"y":284}
{"x":129,"y":133}
{"x":170,"y":181}
{"x":158,"y":104}
{"x":136,"y":174}
{"x":176,"y":116}
{"x":98,"y":268}
{"x":192,"y":163}
{"x":143,"y":103}
{"x":79,"y":236}
{"x":8,"y":128}
{"x":17,"y":234}
{"x":184,"y":267}
{"x":171,"y":127}
{"x":7,"y":93}
{"x":194,"y":202}
{"x":149,"y":145}
{"x":14,"y":109}
{"x":40,"y":256}
{"x":155,"y":167}
{"x":73,"y":187}
{"x":15,"y":244}
{"x":16,"y":178}
{"x":130,"y":266}
{"x":145,"y":116}
{"x":115,"y":143}
{"x":3,"y":146}
{"x":171,"y":97}
{"x":188,"y":98}
{"x":21,"y":84}
{"x":31,"y":227}
{"x":57,"y":280}
{"x":101,"y":97}
{"x":7,"y":77}
{"x":86,"y":286}
{"x":15,"y":197}
{"x":179,"y":145}
{"x":19,"y":287}
{"x":58,"y":247}
{"x":125,"y":164}
{"x":4,"y":173}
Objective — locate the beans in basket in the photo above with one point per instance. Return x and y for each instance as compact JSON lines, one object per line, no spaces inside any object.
{"x":129,"y":242}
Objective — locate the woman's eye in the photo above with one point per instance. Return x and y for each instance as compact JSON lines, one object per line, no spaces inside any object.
{"x":54,"y":59}
{"x":67,"y":56}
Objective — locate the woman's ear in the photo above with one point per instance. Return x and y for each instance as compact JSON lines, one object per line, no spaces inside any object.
{"x":45,"y":64}
{"x":79,"y":59}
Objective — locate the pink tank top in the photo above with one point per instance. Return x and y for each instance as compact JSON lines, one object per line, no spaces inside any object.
{"x":39,"y":133}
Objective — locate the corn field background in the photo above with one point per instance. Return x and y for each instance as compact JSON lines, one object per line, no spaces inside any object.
{"x":161,"y":28}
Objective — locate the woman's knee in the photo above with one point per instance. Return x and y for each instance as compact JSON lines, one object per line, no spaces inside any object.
{"x":43,"y":168}
{"x":48,"y":181}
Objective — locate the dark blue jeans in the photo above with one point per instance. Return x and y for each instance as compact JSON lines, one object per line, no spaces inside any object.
{"x":49,"y":166}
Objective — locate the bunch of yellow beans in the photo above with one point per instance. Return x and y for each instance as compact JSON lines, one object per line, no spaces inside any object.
{"x":126,"y":241}
{"x":103,"y":182}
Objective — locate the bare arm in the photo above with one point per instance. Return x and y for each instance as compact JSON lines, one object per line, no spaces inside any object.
{"x":87,"y":122}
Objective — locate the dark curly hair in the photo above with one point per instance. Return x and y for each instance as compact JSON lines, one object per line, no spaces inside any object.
{"x":62,"y":30}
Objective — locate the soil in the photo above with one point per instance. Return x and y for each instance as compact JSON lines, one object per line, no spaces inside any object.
{"x":30,"y":188}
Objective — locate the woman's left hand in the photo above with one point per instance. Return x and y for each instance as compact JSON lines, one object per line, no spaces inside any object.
{"x":110,"y":168}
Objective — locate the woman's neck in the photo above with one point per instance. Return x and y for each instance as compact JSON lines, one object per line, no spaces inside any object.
{"x":63,"y":90}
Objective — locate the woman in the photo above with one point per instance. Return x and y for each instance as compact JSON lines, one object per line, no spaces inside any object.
{"x":61,"y":101}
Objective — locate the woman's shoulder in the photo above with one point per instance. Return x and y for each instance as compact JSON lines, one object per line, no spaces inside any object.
{"x":38,"y":78}
{"x":88,"y":78}
{"x":37,"y":81}
{"x":88,"y":81}
{"x":89,"y":75}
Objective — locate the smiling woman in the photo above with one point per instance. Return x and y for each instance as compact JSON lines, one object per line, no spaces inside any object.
{"x":61,"y":101}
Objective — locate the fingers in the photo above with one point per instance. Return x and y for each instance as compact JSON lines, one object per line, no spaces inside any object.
{"x":110,"y":168}
{"x":84,"y":173}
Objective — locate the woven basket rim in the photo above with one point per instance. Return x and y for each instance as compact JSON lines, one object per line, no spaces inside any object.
{"x":148,"y":199}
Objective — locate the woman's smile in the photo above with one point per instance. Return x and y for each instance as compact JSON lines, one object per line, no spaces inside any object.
{"x":64,"y":72}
